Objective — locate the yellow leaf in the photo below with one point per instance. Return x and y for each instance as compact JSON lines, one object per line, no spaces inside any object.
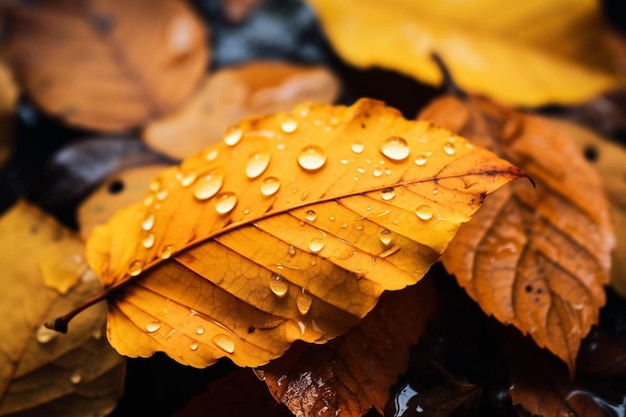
{"x":528,"y":53}
{"x":291,"y":228}
{"x":40,"y":373}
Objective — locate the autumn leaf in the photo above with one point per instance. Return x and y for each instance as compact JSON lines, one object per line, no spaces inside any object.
{"x":109,"y":66}
{"x":534,"y":258}
{"x":608,"y":159}
{"x":230,"y":94}
{"x":515,"y":54}
{"x":352,"y":373}
{"x":290,"y":229}
{"x":117,"y":192}
{"x":9,"y":92}
{"x":41,"y":373}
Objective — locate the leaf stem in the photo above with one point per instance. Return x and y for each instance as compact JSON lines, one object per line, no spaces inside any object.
{"x":448,"y":80}
{"x":60,"y":323}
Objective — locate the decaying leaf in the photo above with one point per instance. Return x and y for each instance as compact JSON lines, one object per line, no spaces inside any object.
{"x":352,"y":373}
{"x":40,"y":373}
{"x":110,"y":66}
{"x":229,"y":95}
{"x":515,"y":54}
{"x":608,"y":159}
{"x":534,"y":258}
{"x":118,"y":191}
{"x":291,"y":228}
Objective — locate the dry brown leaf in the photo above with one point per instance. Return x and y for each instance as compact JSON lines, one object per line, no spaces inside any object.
{"x":110,"y":65}
{"x":117,"y":192}
{"x":534,"y":258}
{"x":289,"y":229}
{"x":354,"y":372}
{"x":40,"y":372}
{"x":608,"y":159}
{"x":518,"y":54}
{"x":229,"y":95}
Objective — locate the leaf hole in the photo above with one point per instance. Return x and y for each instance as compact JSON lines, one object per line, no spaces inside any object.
{"x":591,"y":153}
{"x":251,"y":329}
{"x":116,"y":187}
{"x":528,"y":288}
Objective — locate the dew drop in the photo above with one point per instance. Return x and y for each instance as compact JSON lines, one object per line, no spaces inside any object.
{"x":311,"y":158}
{"x":270,"y":186}
{"x":449,"y":148}
{"x":76,"y":377}
{"x":357,"y":147}
{"x":289,"y":125}
{"x":188,"y":179}
{"x":166,"y":252}
{"x":149,"y":200}
{"x":208,"y":186}
{"x":360,"y":170}
{"x":148,"y":241}
{"x":212,"y":155}
{"x":304,"y":302}
{"x":344,"y":162}
{"x":225,"y":202}
{"x":200,"y":330}
{"x":233,"y":136}
{"x":257,"y":164}
{"x":148,"y":222}
{"x":377,"y":172}
{"x":135,"y":268}
{"x":291,"y":250}
{"x":279,"y":285}
{"x":331,"y":218}
{"x":44,"y":335}
{"x":316,"y":245}
{"x":155,"y":185}
{"x":304,"y":196}
{"x":388,"y":194}
{"x":224,"y":342}
{"x":344,"y":225}
{"x":424,"y":212}
{"x":153,"y":326}
{"x":161,"y":195}
{"x":395,"y":148}
{"x":193,"y":346}
{"x":386,"y":237}
{"x":420,"y":161}
{"x":310,"y":215}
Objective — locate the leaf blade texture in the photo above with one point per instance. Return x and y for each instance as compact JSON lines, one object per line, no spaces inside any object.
{"x":533,"y":258}
{"x":226,"y":258}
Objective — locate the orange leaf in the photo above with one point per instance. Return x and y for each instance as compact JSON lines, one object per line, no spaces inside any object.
{"x":289,"y":229}
{"x":352,"y":373}
{"x":534,"y":258}
{"x":112,"y":65}
{"x":231,"y":94}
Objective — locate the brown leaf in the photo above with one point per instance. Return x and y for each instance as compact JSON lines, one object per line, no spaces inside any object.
{"x":237,"y":394}
{"x":608,"y":159}
{"x":229,"y":95}
{"x":352,"y":373}
{"x":110,"y":65}
{"x":534,"y":258}
{"x":290,"y":229}
{"x":40,"y":372}
{"x":117,"y":192}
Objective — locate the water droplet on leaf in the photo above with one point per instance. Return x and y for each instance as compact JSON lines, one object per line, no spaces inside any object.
{"x":148,"y":222}
{"x":424,"y":212}
{"x":212,"y":155}
{"x":279,"y":285}
{"x":188,"y":179}
{"x":153,"y":326}
{"x":304,"y":302}
{"x":395,"y":148}
{"x":310,"y":215}
{"x":233,"y":135}
{"x":193,"y":346}
{"x":270,"y":186}
{"x":312,"y":158}
{"x":289,"y":125}
{"x":148,"y":241}
{"x":420,"y":161}
{"x":357,"y":147}
{"x":386,"y":237}
{"x":200,"y":330}
{"x":449,"y":148}
{"x":224,"y":342}
{"x":166,"y":251}
{"x":208,"y":186}
{"x":316,"y":245}
{"x":388,"y":194}
{"x":257,"y":164}
{"x":225,"y":202}
{"x":135,"y":268}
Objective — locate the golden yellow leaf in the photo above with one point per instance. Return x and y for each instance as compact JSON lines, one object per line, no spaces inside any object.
{"x":42,"y":374}
{"x":608,"y":159}
{"x":291,"y":228}
{"x":117,"y":192}
{"x":230,"y":94}
{"x":533,"y":258}
{"x":528,"y":53}
{"x":110,"y":66}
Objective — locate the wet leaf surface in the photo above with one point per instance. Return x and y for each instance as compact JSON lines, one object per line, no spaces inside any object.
{"x":502,"y":56}
{"x":351,"y":374}
{"x":332,"y":192}
{"x":535,"y":258}
{"x":41,"y":372}
{"x":137,"y":62}
{"x":229,"y":95}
